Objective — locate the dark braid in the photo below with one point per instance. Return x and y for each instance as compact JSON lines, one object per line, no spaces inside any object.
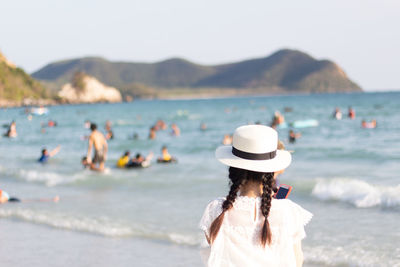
{"x":235,"y":183}
{"x":239,"y":177}
{"x":268,"y":188}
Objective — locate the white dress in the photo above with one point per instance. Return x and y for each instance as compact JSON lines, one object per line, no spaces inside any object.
{"x":238,"y":241}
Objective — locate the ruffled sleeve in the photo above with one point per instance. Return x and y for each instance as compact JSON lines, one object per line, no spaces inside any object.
{"x":212,"y":211}
{"x":301,"y":217}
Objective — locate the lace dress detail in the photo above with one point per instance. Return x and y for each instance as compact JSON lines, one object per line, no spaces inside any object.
{"x":238,"y":241}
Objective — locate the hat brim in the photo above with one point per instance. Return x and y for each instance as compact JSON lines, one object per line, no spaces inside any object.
{"x":279,"y":162}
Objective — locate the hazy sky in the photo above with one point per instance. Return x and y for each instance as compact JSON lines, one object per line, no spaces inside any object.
{"x":362,"y":36}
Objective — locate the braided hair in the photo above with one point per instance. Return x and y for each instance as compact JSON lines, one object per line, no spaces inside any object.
{"x":239,"y":177}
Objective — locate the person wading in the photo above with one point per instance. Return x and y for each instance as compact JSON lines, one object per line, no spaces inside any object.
{"x":99,"y":142}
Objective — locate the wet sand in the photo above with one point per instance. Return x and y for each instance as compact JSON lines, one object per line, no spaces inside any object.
{"x":24,"y":244}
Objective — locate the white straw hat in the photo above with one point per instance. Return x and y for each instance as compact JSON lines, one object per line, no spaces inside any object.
{"x":255,"y":148}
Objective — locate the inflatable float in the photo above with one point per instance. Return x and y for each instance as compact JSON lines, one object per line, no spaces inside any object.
{"x":299,"y":124}
{"x":39,"y":111}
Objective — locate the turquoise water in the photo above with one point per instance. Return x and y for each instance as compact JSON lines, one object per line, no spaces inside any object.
{"x":347,"y":176}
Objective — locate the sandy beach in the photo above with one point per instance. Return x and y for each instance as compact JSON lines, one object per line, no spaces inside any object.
{"x":25,"y":244}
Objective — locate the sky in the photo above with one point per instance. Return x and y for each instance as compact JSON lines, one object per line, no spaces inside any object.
{"x":361,"y":36}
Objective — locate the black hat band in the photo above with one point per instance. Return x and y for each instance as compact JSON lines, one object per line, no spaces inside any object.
{"x":253,"y":156}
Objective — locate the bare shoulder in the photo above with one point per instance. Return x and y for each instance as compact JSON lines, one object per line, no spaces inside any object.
{"x":91,"y":136}
{"x":97,"y":135}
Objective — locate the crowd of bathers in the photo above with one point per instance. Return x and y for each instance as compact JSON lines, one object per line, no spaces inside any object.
{"x":351,"y":114}
{"x":97,"y":141}
{"x":96,"y":155}
{"x":97,"y":151}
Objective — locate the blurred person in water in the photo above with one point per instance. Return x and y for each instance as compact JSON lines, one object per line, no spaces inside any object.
{"x":175,"y":130}
{"x":337,"y":114}
{"x":5,"y":197}
{"x":140,"y":161}
{"x":165,"y":156}
{"x":351,"y":113}
{"x":293,"y":136}
{"x":123,"y":160}
{"x":44,"y":157}
{"x":12,"y":130}
{"x":99,"y":142}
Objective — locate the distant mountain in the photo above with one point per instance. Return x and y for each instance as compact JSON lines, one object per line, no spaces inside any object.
{"x":16,"y":86}
{"x":286,"y":71}
{"x":293,"y":71}
{"x":169,"y":73}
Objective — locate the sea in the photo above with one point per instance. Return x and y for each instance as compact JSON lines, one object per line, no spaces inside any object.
{"x":347,"y":176}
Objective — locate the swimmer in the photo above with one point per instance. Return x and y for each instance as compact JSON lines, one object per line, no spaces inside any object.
{"x":337,"y":114}
{"x":108,"y":126}
{"x":44,"y":157}
{"x":124,"y":160}
{"x":293,"y":136}
{"x":175,"y":130}
{"x":12,"y":130}
{"x":109,"y":135}
{"x":278,"y":118}
{"x":203,"y":126}
{"x":140,"y":162}
{"x":369,"y":125}
{"x":227,"y":139}
{"x":99,"y":142}
{"x":352,"y":113}
{"x":165,"y":156}
{"x":4,"y":198}
{"x":51,"y":123}
{"x":109,"y":132}
{"x":152,"y":133}
{"x":160,"y":125}
{"x":87,"y":124}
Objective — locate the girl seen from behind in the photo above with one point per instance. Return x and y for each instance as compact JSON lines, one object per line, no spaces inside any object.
{"x":249,"y":227}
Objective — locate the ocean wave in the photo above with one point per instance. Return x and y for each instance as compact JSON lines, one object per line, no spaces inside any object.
{"x":348,"y":256}
{"x":102,"y":226}
{"x":48,"y":178}
{"x":357,"y":192}
{"x":51,"y":179}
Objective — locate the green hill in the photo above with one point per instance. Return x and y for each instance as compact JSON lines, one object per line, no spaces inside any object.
{"x":286,"y":71}
{"x":170,"y":73}
{"x":16,"y":85}
{"x":290,"y":70}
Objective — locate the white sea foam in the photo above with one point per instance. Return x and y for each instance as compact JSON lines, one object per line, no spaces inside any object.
{"x":357,"y":192}
{"x":48,"y":178}
{"x":33,"y":175}
{"x":184,"y":239}
{"x":98,"y":226}
{"x":356,"y":255}
{"x":102,"y":226}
